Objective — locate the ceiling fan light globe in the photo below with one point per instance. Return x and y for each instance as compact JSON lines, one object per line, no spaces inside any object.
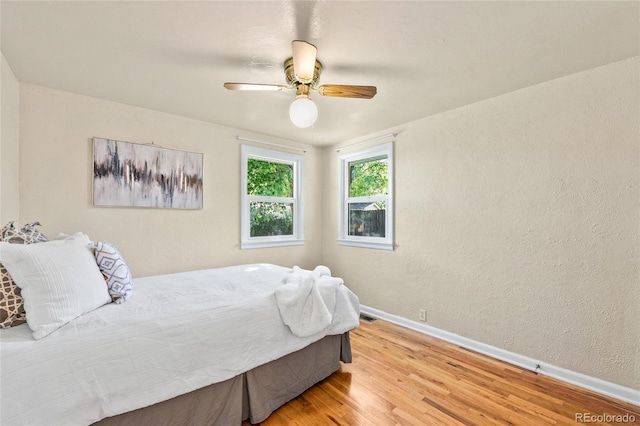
{"x":303,"y":112}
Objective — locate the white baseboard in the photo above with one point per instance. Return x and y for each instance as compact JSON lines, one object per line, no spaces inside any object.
{"x":594,"y":384}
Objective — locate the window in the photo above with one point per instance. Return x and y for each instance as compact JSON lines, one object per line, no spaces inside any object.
{"x":271,"y":213}
{"x":366,"y":198}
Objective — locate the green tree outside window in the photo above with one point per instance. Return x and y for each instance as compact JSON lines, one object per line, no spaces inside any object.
{"x":369,"y":177}
{"x":270,"y":179}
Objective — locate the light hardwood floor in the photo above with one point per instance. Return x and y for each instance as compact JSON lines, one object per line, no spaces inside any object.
{"x":402,"y":377}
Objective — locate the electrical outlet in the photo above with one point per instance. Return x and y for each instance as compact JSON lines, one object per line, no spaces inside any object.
{"x":423,"y":315}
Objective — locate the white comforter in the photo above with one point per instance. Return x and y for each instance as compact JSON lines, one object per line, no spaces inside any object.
{"x":177,"y":333}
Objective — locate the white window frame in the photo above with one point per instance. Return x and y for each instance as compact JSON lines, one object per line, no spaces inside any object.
{"x":382,"y":243}
{"x":246,"y":240}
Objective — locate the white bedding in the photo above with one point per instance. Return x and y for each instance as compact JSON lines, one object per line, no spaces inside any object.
{"x":307,"y":300}
{"x":177,"y":333}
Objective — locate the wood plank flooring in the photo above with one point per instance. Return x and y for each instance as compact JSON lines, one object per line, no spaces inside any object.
{"x":402,"y":377}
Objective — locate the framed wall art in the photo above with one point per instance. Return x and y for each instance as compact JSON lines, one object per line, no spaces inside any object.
{"x":126,"y":174}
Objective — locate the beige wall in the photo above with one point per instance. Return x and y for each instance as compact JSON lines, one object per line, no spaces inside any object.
{"x":56,"y":130}
{"x":517,"y":224}
{"x":9,"y":144}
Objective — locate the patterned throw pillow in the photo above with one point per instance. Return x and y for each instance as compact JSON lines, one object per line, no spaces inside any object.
{"x":12,"y":311}
{"x":11,"y":302}
{"x":28,"y":234}
{"x":115,"y":271}
{"x":7,"y":228}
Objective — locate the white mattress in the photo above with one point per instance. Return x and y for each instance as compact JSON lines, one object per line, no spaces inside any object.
{"x":177,"y":333}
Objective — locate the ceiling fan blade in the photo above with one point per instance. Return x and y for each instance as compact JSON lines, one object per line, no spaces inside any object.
{"x":253,"y":86}
{"x":304,"y":60}
{"x":347,"y":91}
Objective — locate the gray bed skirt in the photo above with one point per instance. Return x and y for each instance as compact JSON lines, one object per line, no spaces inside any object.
{"x":253,"y":395}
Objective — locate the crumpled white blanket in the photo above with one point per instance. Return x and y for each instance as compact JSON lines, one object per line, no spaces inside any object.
{"x":307,"y":300}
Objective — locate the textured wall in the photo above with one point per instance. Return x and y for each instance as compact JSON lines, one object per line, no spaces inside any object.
{"x":56,"y":130}
{"x":518,"y":223}
{"x":9,"y":144}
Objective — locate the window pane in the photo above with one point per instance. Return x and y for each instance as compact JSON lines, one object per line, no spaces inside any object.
{"x":369,"y":177}
{"x":268,"y":219}
{"x":269,"y":178}
{"x":367,"y":219}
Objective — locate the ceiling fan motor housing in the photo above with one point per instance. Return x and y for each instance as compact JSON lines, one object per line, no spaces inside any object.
{"x":293,"y":80}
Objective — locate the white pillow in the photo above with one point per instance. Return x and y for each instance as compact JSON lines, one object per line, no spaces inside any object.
{"x":59,"y":281}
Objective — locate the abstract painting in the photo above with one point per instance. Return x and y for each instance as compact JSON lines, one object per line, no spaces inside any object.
{"x":133,"y":175}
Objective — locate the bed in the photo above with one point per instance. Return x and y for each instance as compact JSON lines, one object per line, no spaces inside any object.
{"x":202,"y":347}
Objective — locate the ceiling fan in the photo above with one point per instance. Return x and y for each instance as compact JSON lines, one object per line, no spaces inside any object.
{"x":302,"y":72}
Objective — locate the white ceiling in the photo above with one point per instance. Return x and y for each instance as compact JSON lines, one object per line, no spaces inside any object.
{"x":424,"y":57}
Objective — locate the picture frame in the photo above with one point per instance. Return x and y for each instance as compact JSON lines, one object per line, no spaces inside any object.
{"x":127,"y":174}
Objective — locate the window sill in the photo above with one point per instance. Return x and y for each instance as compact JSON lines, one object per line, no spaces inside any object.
{"x":267,"y":244}
{"x":365,"y":244}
